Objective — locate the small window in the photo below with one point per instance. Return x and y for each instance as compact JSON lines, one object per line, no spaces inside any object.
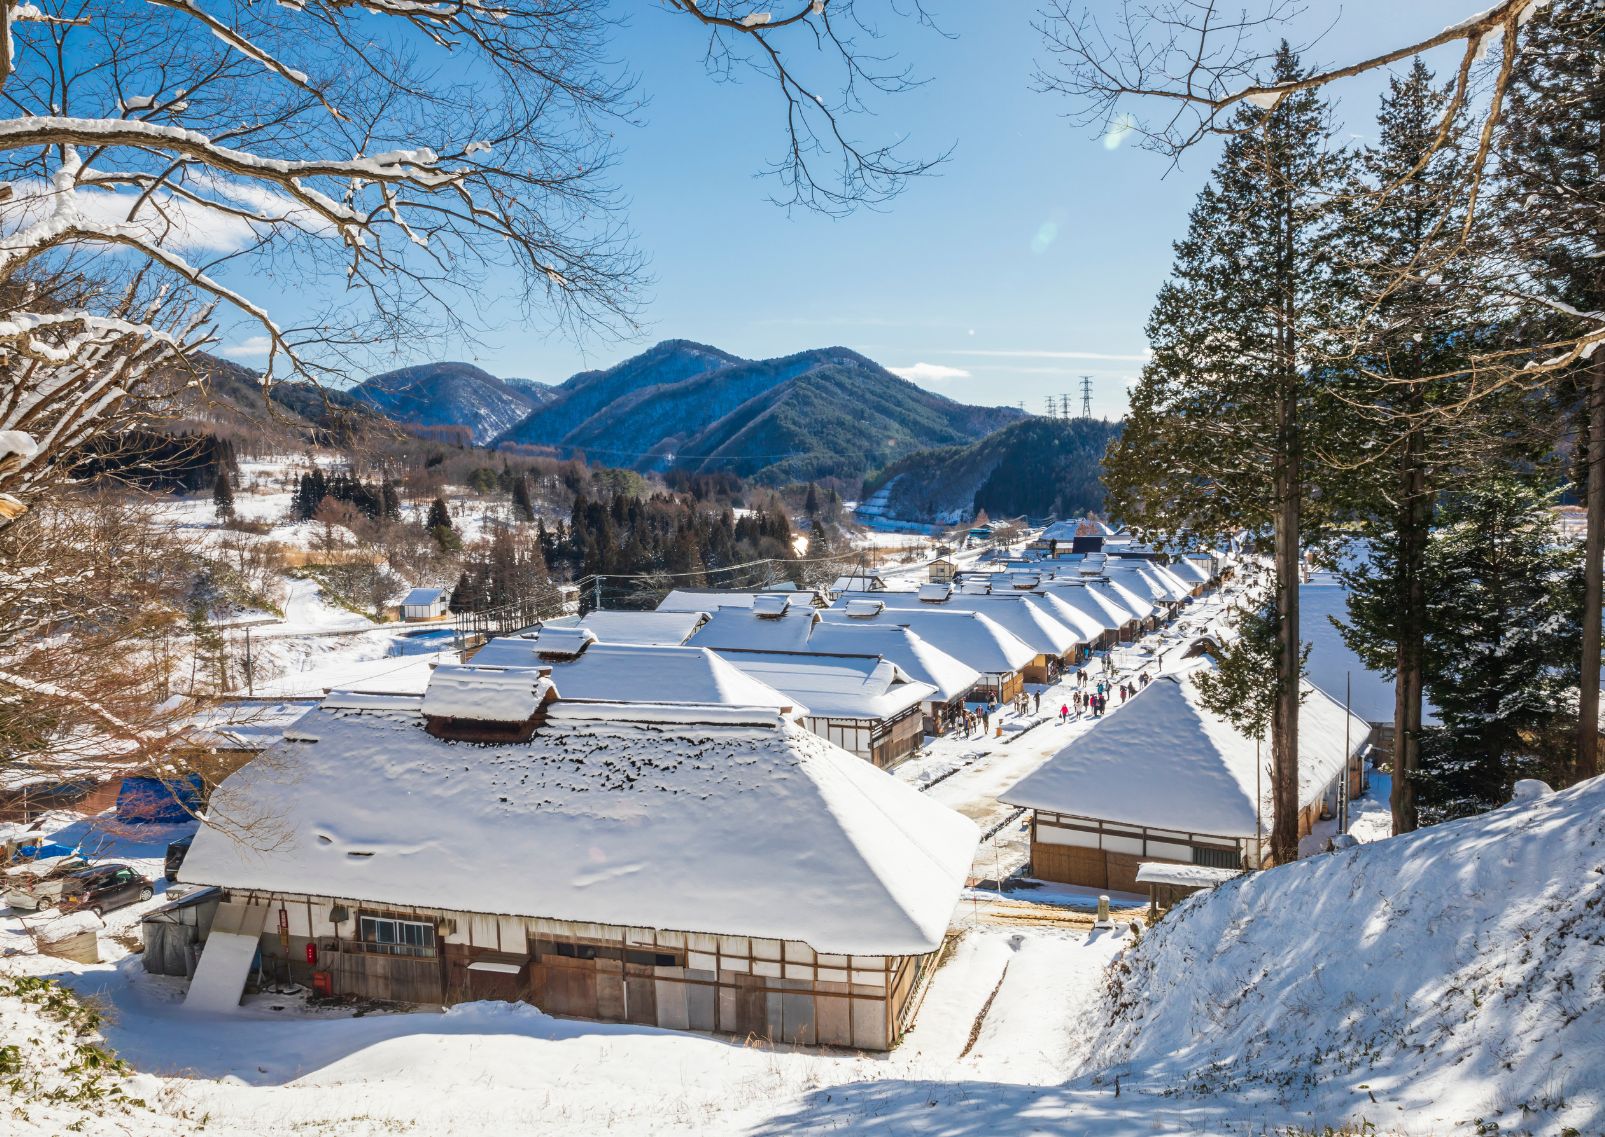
{"x":1217,"y":858}
{"x":396,"y":937}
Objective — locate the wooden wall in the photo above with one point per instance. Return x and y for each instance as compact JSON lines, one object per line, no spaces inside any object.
{"x":739,"y":985}
{"x":1100,"y":854}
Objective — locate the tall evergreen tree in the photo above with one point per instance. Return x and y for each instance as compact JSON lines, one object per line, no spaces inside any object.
{"x":1221,"y":423}
{"x":389,"y":501}
{"x":1417,"y":309}
{"x":223,"y":497}
{"x":523,"y":502}
{"x":440,"y":526}
{"x":1552,"y":163}
{"x":1504,"y":603}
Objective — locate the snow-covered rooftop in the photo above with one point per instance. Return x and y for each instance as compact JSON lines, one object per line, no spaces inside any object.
{"x":1099,"y":606}
{"x":663,"y":629}
{"x":915,"y":657}
{"x":836,"y":686}
{"x":422,"y":596}
{"x":641,"y":673}
{"x":458,"y":691}
{"x":969,"y":637}
{"x":245,"y":724}
{"x":1031,"y":624}
{"x":719,"y":821}
{"x":1166,"y":762}
{"x":708,"y":600}
{"x":757,"y":629}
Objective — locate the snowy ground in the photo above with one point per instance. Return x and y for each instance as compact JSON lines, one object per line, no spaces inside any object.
{"x":1025,"y":954}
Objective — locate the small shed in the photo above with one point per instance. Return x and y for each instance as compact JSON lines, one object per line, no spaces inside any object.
{"x":1168,"y":883}
{"x":423,"y":604}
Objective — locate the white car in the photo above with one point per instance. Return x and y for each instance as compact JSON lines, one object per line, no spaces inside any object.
{"x":37,"y":886}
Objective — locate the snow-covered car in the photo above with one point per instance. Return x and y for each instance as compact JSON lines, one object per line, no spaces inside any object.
{"x":38,"y":885}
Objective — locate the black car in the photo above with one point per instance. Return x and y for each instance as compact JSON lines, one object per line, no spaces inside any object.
{"x":175,"y":857}
{"x":104,"y":888}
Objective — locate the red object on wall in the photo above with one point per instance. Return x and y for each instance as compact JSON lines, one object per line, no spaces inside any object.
{"x":312,"y":954}
{"x":322,"y":983}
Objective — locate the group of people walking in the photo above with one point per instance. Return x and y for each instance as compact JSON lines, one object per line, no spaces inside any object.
{"x":1096,"y":700}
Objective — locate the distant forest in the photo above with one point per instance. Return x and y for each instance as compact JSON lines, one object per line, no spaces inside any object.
{"x":1039,"y":467}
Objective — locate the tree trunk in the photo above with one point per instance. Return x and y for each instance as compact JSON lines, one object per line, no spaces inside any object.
{"x":1593,"y":579}
{"x":1284,"y":718}
{"x":1414,"y":519}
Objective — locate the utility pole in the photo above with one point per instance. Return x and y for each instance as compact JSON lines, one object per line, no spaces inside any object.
{"x":1086,"y":396}
{"x":596,"y":591}
{"x":1051,"y":410}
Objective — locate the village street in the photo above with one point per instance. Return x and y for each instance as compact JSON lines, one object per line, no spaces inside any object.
{"x":966,"y":773}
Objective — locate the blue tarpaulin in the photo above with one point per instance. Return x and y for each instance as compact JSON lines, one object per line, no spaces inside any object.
{"x":44,"y":852}
{"x":159,"y":801}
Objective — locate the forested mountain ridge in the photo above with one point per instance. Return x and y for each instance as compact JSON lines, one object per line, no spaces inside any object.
{"x":448,"y":394}
{"x":827,"y":412}
{"x":1039,"y":467}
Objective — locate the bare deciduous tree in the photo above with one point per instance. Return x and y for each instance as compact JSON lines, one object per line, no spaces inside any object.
{"x":160,"y":160}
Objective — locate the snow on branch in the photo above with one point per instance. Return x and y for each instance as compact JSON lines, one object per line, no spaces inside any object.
{"x":1193,"y":61}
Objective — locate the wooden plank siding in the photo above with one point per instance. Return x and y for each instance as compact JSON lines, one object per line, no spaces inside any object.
{"x":1093,"y":853}
{"x":738,"y":985}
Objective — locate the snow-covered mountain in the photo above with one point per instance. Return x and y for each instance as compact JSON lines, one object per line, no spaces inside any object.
{"x":450,"y":394}
{"x":819,"y":413}
{"x":1452,"y":980}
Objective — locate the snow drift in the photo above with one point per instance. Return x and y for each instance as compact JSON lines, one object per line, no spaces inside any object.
{"x":1422,"y":982}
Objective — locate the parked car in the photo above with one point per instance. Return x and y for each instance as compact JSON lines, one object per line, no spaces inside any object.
{"x":105,"y":888}
{"x":175,"y":857}
{"x":37,"y":885}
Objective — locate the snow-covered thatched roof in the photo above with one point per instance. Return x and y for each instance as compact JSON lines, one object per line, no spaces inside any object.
{"x":709,"y":820}
{"x":836,"y":686}
{"x":709,"y":600}
{"x":663,"y":629}
{"x":1030,"y":623}
{"x":1164,"y":761}
{"x":969,"y":637}
{"x":761,"y":628}
{"x":918,"y":659}
{"x":640,"y":673}
{"x":1098,"y":605}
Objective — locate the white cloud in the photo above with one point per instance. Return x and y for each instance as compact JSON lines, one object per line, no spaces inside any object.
{"x":251,"y":347}
{"x":929,"y":372}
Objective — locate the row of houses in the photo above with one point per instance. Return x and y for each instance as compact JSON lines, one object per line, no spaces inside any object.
{"x":677,"y":818}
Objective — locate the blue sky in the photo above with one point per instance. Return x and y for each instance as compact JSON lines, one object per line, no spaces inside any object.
{"x":1029,"y":260}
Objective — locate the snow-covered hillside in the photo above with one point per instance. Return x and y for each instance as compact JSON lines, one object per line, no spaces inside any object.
{"x":1427,"y":981}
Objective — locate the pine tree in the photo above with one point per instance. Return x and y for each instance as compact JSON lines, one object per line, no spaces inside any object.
{"x":1418,"y":296}
{"x":223,"y":497}
{"x":1504,"y":605}
{"x":811,"y":502}
{"x":523,"y":504}
{"x":1552,"y":163}
{"x":390,"y":501}
{"x":440,"y":527}
{"x":1226,"y":414}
